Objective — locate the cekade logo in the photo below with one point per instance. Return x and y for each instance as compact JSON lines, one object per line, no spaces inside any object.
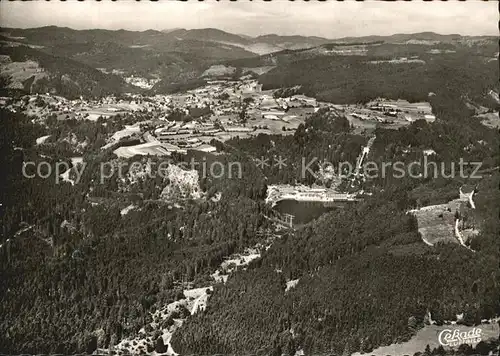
{"x":456,"y":337}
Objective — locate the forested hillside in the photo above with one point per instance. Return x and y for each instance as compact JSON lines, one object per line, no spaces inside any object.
{"x":363,"y":273}
{"x":325,"y":137}
{"x":78,"y":268}
{"x":364,"y":281}
{"x":352,"y":79}
{"x":63,"y":76}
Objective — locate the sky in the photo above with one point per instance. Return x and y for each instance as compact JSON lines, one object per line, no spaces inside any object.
{"x":330,"y":19}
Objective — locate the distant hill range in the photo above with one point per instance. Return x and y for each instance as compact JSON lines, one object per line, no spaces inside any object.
{"x":404,"y":37}
{"x":92,"y":62}
{"x":257,"y":45}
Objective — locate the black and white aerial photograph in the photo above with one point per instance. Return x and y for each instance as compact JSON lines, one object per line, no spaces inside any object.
{"x":249,"y":178}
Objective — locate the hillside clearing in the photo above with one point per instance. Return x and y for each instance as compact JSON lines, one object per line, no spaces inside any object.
{"x":428,"y":335}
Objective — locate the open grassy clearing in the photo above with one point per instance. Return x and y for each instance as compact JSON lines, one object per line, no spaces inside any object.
{"x":144,"y":149}
{"x":490,"y":119}
{"x":436,"y":222}
{"x":428,"y":335}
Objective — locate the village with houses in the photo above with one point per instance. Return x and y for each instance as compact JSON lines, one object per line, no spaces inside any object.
{"x":219,"y":110}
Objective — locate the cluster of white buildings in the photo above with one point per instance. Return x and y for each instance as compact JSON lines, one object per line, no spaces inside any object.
{"x":385,"y":111}
{"x":141,"y":82}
